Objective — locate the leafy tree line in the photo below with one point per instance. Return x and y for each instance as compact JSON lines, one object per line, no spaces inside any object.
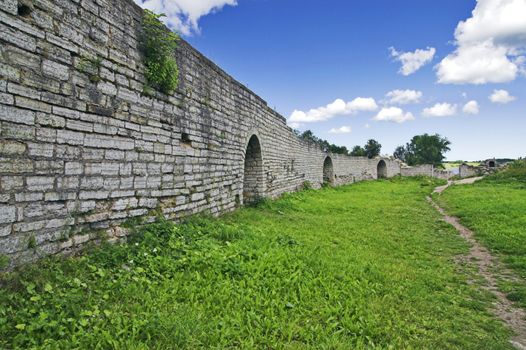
{"x":423,"y":149}
{"x":370,"y":150}
{"x":309,"y":136}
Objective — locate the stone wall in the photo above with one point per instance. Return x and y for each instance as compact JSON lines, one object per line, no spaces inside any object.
{"x":419,"y":170}
{"x":83,"y":149}
{"x":426,"y":170}
{"x":466,"y":170}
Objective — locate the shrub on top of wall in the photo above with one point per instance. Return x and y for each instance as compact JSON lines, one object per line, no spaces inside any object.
{"x":158,"y":47}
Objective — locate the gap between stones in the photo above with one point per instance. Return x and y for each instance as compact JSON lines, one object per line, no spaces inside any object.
{"x":513,"y":317}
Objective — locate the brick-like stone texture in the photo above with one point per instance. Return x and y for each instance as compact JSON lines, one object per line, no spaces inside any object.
{"x":79,"y":155}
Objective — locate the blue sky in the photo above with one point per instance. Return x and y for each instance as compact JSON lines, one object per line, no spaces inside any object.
{"x":303,"y":55}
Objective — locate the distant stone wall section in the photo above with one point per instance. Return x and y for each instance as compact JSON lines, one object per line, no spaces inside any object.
{"x":426,"y":170}
{"x":83,"y":149}
{"x":487,"y":167}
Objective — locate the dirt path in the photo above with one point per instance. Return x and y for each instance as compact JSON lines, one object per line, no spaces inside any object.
{"x":515,"y":318}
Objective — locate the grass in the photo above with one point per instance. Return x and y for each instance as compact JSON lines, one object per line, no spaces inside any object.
{"x":366,"y":266}
{"x":495,"y":209}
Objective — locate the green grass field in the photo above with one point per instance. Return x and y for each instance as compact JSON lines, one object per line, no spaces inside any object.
{"x":365,"y":266}
{"x":495,"y":209}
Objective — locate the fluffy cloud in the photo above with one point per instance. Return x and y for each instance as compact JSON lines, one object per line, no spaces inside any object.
{"x":341,"y":130}
{"x":413,"y":61}
{"x":393,"y":114}
{"x":440,"y":110}
{"x":501,"y":96}
{"x":472,"y":107}
{"x":477,"y":64}
{"x":336,"y":108}
{"x":490,"y":45}
{"x":183,"y":15}
{"x":402,"y":97}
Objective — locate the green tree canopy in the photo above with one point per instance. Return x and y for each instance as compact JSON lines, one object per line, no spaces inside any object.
{"x":358,"y":151}
{"x":424,"y":149}
{"x":309,"y":136}
{"x":372,"y":148}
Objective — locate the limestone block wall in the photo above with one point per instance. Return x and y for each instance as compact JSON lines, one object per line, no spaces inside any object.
{"x":419,"y":170}
{"x":426,"y":170}
{"x":442,"y":174}
{"x":83,"y":149}
{"x":466,"y":170}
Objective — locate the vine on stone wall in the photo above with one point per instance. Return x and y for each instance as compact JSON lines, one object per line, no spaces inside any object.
{"x":158,"y":46}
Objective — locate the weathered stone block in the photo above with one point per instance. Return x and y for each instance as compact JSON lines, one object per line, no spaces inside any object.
{"x":55,"y":70}
{"x":41,"y":149}
{"x":5,"y":230}
{"x":9,"y":6}
{"x":12,"y":148}
{"x":17,"y":115}
{"x":28,"y":197}
{"x":8,"y":166}
{"x":6,"y":99}
{"x":73,"y":168}
{"x":7,"y":214}
{"x":40,"y":183}
{"x":50,"y":120}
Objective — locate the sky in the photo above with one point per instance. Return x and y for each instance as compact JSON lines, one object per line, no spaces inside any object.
{"x":352,"y":70}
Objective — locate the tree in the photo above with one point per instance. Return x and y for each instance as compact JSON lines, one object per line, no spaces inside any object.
{"x":308,"y":135}
{"x":325,"y":145}
{"x":424,"y":149}
{"x":400,"y":153}
{"x":372,"y":149}
{"x":358,"y":151}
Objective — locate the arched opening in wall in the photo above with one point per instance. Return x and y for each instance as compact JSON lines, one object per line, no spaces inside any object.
{"x":253,"y":182}
{"x":491,"y":164}
{"x":328,"y":171}
{"x":381,"y":170}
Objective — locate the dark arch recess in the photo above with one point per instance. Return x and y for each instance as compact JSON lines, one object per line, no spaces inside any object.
{"x":328,"y":171}
{"x":253,"y":181}
{"x":381,"y":170}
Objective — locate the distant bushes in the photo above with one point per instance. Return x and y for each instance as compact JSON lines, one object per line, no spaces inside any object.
{"x":515,"y":171}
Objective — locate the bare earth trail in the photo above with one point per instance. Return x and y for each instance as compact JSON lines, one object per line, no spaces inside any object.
{"x":513,"y":317}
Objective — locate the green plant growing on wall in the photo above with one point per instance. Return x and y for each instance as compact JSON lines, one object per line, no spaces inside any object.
{"x":158,"y":45}
{"x":32,"y":243}
{"x":91,"y":67}
{"x":4,"y":261}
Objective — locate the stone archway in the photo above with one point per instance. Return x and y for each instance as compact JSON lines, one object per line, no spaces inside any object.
{"x":381,"y":170}
{"x":328,"y":171}
{"x":254,"y":179}
{"x":491,"y":164}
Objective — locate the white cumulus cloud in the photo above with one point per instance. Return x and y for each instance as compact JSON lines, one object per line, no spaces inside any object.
{"x":403,"y":97}
{"x":183,"y":15}
{"x":490,"y":45}
{"x":440,"y":110}
{"x":393,"y":114}
{"x":472,"y":107}
{"x":501,"y":96}
{"x":413,"y":61}
{"x":341,"y":130}
{"x":336,"y":108}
